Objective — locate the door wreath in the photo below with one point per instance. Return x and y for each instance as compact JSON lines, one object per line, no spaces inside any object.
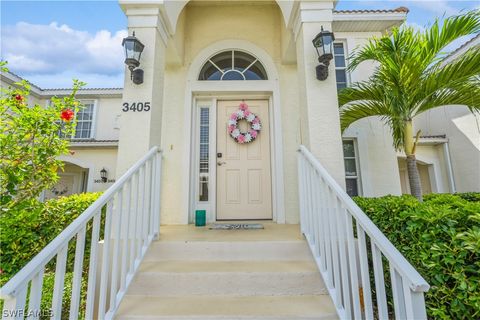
{"x":243,"y":113}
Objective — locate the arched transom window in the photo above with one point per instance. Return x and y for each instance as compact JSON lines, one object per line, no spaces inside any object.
{"x":233,"y":65}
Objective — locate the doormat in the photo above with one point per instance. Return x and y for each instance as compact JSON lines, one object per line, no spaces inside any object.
{"x":235,"y":226}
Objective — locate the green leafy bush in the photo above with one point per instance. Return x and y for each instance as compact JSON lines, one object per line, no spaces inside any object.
{"x":441,"y":239}
{"x":31,"y":142}
{"x":29,"y":227}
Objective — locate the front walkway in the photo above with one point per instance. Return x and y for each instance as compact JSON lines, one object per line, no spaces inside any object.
{"x":197,"y":273}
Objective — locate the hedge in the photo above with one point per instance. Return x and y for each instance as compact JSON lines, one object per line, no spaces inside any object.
{"x":30,"y":227}
{"x":26,"y":230}
{"x":441,"y":239}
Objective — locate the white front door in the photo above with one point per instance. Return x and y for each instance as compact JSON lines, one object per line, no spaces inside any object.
{"x":243,"y":170}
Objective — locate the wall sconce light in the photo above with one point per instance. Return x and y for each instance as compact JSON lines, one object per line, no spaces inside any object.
{"x":133,"y":51}
{"x":103,"y":175}
{"x":323,"y":43}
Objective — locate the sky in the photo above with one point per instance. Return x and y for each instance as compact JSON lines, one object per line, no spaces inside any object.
{"x":51,"y":42}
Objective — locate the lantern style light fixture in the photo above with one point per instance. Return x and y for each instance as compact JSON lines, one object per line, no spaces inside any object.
{"x":133,"y":51}
{"x":103,"y":175}
{"x":323,"y":43}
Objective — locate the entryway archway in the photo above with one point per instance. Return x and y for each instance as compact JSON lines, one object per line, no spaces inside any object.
{"x":227,"y":65}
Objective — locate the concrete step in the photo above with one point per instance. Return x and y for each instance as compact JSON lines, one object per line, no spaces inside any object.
{"x":295,"y":250}
{"x":220,"y":307}
{"x":240,"y":278}
{"x":195,"y":273}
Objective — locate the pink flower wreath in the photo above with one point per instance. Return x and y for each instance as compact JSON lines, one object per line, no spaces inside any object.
{"x":243,"y":113}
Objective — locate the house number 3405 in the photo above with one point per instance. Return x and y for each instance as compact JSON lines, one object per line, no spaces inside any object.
{"x":136,"y":106}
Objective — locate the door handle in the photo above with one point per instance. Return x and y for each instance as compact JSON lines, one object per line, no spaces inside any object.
{"x":219,"y":163}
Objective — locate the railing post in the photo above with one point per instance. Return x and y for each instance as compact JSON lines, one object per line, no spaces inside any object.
{"x":59,"y":283}
{"x":157,"y":195}
{"x":301,"y":191}
{"x":316,"y":214}
{"x":13,"y":306}
{"x":365,"y":273}
{"x":415,"y":304}
{"x":92,"y":269}
{"x":126,"y":236}
{"x":398,"y":294}
{"x":133,"y":244}
{"x":379,"y":282}
{"x":346,"y":282}
{"x":77,"y":274}
{"x":105,"y":274}
{"x":116,"y":238}
{"x":36,"y":295}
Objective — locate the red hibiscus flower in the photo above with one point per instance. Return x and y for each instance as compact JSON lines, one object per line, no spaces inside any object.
{"x":67,"y":115}
{"x":19,"y":98}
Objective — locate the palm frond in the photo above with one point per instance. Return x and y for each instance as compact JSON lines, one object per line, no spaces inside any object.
{"x":361,"y":109}
{"x":437,"y":38}
{"x":462,"y":93}
{"x":454,"y":82}
{"x":361,"y":91}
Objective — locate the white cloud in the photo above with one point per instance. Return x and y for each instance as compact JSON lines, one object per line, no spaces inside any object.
{"x":439,"y":7}
{"x":53,"y":50}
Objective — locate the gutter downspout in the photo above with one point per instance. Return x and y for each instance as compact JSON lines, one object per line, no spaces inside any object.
{"x":446,"y":152}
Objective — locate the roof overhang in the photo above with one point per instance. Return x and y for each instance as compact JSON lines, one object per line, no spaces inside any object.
{"x":345,"y":21}
{"x":79,"y":144}
{"x":86,"y":93}
{"x":11,"y":78}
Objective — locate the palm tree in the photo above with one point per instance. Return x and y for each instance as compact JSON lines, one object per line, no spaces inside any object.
{"x":412,"y":77}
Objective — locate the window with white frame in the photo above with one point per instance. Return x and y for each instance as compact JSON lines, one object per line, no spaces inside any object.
{"x":233,"y":65}
{"x":85,"y":120}
{"x":204,"y":135}
{"x":84,"y":117}
{"x":340,"y":65}
{"x":352,"y":175}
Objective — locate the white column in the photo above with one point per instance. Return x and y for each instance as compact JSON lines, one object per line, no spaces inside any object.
{"x":320,"y":121}
{"x":141,"y":130}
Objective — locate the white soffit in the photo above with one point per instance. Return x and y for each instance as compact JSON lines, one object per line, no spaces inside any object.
{"x":344,"y":21}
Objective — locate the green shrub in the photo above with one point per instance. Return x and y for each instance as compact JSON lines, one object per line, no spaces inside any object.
{"x":29,"y":227}
{"x":31,"y":141}
{"x":469,"y":196}
{"x":441,"y":239}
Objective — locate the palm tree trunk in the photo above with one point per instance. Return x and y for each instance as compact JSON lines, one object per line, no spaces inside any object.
{"x":414,"y":177}
{"x":412,"y":170}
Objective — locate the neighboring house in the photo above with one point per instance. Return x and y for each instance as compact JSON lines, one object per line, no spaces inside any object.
{"x":189,"y":48}
{"x":94,"y":146}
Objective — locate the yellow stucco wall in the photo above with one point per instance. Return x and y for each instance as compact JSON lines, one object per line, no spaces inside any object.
{"x":259,"y":25}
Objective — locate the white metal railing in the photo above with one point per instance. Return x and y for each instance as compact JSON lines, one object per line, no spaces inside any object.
{"x":120,"y":226}
{"x":337,"y":231}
